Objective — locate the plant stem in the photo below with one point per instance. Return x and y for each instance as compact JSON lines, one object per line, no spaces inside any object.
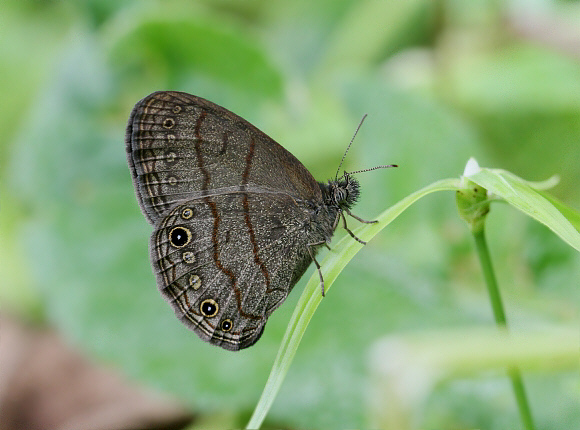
{"x":499,"y":314}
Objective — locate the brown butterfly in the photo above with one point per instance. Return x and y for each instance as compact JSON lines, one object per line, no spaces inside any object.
{"x":237,"y":218}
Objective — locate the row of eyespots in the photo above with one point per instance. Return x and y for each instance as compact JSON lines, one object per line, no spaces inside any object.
{"x":180,"y":237}
{"x":209,"y":308}
{"x":169,"y":122}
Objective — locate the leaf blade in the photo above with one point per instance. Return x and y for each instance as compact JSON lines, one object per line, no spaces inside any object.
{"x":520,"y":194}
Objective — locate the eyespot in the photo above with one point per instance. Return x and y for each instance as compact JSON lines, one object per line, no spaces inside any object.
{"x":187,"y":213}
{"x":176,"y":109}
{"x":226,"y":325}
{"x":171,"y":157}
{"x":188,"y":257}
{"x":179,"y":237}
{"x":209,"y":308}
{"x":195,"y":281}
{"x":168,"y":123}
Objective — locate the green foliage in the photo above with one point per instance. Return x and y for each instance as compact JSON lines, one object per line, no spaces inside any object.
{"x":441,"y":81}
{"x":554,"y":349}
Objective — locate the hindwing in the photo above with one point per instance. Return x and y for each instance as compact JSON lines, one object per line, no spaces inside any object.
{"x":225,"y":262}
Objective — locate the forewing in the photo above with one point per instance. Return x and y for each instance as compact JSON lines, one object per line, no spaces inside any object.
{"x":180,"y":147}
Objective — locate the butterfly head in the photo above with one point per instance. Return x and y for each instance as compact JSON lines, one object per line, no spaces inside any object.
{"x":344,"y":192}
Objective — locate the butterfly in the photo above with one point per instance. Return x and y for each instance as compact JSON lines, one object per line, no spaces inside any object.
{"x":237,"y":219}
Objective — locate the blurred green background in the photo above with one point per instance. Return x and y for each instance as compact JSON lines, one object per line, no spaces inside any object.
{"x":441,"y":81}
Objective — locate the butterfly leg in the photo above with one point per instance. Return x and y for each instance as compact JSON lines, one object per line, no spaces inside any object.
{"x":336,"y":221}
{"x":348,"y":230}
{"x":309,"y":247}
{"x":357,"y":218}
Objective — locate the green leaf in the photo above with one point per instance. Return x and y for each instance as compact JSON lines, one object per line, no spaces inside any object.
{"x":514,"y":190}
{"x":397,"y":360}
{"x":176,"y":49}
{"x":520,"y":194}
{"x":367,"y":31}
{"x":571,"y":215}
{"x":311,"y":297}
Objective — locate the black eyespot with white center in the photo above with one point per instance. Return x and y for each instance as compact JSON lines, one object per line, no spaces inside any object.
{"x":209,"y":308}
{"x":187,"y":213}
{"x":227,"y":325}
{"x":179,"y":237}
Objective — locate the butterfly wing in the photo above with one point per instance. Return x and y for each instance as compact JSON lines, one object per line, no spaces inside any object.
{"x":231,"y":211}
{"x":180,"y":146}
{"x":224,"y":268}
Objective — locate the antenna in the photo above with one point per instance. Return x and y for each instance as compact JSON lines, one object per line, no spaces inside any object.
{"x":384,"y":166}
{"x":348,"y":147}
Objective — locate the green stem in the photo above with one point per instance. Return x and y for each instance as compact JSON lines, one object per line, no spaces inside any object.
{"x":499,"y":314}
